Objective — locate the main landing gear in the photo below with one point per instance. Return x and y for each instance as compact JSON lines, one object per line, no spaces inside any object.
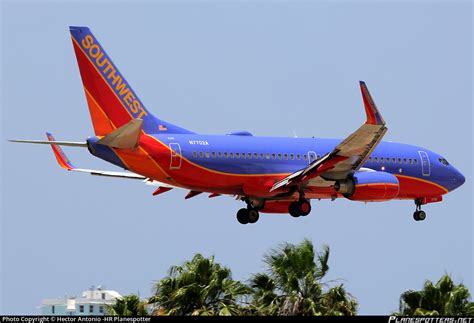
{"x":419,"y":215}
{"x":250,"y":213}
{"x":247,"y":215}
{"x":302,"y":207}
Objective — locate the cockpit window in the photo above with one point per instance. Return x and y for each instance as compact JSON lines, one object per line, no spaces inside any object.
{"x":443,"y":161}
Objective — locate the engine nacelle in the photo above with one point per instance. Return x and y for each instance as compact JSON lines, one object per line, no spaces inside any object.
{"x":369,"y":187}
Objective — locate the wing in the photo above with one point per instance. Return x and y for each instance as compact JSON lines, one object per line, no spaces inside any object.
{"x":349,"y":155}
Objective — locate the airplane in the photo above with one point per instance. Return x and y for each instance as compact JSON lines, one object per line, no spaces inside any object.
{"x":269,"y":174}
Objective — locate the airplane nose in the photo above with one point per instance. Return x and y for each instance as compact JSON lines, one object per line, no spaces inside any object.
{"x":458,"y":179}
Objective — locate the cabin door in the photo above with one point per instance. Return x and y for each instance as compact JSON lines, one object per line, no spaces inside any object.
{"x":425,"y":163}
{"x":175,"y":150}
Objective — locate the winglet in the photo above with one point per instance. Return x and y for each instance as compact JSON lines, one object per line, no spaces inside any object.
{"x":373,"y":114}
{"x":61,"y":157}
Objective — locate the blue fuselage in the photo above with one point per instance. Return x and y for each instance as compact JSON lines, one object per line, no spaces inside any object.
{"x":245,"y":154}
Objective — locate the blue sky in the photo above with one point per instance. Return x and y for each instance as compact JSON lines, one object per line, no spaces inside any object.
{"x":273,"y":68}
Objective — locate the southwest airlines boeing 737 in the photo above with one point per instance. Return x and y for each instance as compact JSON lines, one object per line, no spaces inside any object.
{"x":271,"y":175}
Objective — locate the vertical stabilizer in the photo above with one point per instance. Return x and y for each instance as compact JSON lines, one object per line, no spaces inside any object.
{"x":112,"y":102}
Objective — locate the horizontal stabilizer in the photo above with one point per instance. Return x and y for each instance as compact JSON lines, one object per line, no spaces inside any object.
{"x":65,"y":163}
{"x":127,"y":136}
{"x":44,"y":142}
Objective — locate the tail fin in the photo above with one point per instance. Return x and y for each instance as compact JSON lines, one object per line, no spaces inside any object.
{"x":112,"y":102}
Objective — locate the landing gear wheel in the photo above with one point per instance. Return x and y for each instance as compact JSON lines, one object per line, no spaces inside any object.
{"x":415,"y":216}
{"x":299,"y":208}
{"x":252,"y":216}
{"x":293,"y":209}
{"x":243,"y":216}
{"x":421,"y":215}
{"x":304,"y":207}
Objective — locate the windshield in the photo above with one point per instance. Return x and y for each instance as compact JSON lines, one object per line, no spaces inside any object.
{"x":443,"y":161}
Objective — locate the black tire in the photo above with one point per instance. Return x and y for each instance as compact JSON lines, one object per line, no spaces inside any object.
{"x":243,"y":216}
{"x":304,"y":207}
{"x":415,"y":216}
{"x":293,"y":209}
{"x":421,"y":215}
{"x":252,"y":216}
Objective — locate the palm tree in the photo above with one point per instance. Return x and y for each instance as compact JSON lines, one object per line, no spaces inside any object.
{"x":444,"y":298}
{"x":199,"y":287}
{"x":129,"y":305}
{"x":293,"y":284}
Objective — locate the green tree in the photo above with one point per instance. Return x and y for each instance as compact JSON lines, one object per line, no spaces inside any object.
{"x":293,"y":284}
{"x":199,"y":287}
{"x":129,"y":305}
{"x":443,"y":298}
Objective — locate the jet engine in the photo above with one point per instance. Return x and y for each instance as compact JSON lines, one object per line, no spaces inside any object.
{"x":369,"y":186}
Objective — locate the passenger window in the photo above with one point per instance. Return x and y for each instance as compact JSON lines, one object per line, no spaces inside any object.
{"x":387,"y":160}
{"x":400,"y":160}
{"x":261,"y":155}
{"x":394,"y":160}
{"x":273,"y":156}
{"x":249,"y":155}
{"x":305,"y":157}
{"x":231,"y":155}
{"x":416,"y":161}
{"x":195,"y":154}
{"x":237,"y":155}
{"x":285,"y":156}
{"x":409,"y":160}
{"x":267,"y":156}
{"x":219,"y":154}
{"x":207,"y":154}
{"x":376,"y":159}
{"x":370,"y":159}
{"x":404,"y":160}
{"x":298,"y":156}
{"x":213,"y":154}
{"x":292,"y":156}
{"x":201,"y":154}
{"x":242,"y":155}
{"x":317,"y":156}
{"x":279,"y":156}
{"x":225,"y":155}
